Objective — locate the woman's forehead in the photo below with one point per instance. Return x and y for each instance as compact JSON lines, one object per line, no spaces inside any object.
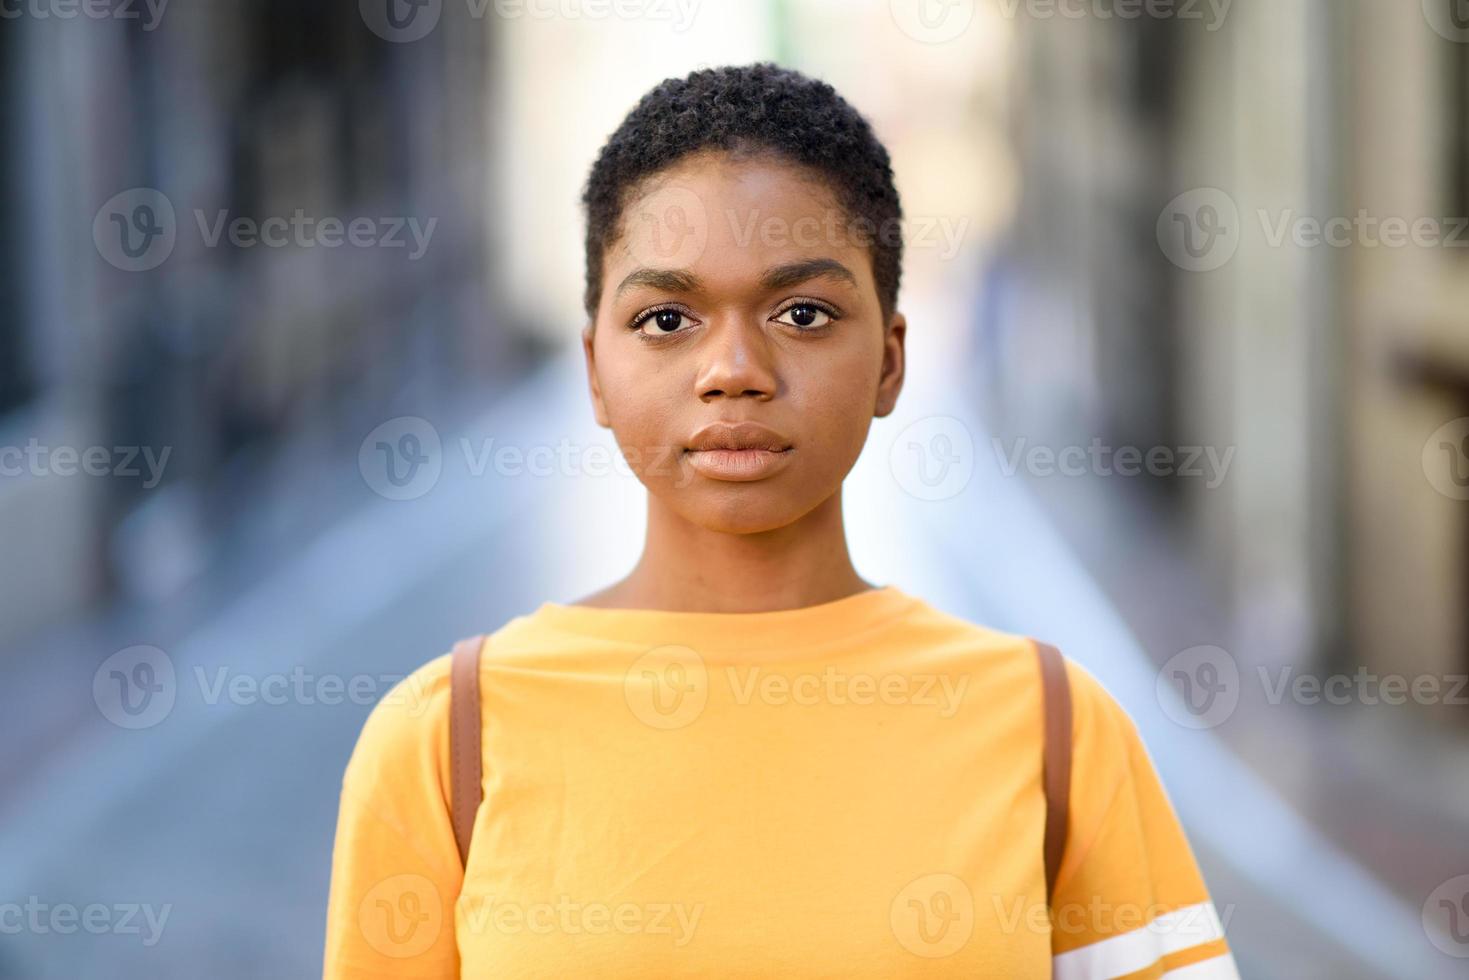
{"x":715,"y":219}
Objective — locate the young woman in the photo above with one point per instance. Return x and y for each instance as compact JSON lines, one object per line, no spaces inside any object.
{"x":743,"y":759}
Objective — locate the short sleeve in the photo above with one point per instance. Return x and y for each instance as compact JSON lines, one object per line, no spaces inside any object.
{"x":1130,"y":900}
{"x":395,"y":868}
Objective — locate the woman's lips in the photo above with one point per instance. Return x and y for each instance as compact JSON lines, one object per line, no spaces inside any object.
{"x":738,"y":465}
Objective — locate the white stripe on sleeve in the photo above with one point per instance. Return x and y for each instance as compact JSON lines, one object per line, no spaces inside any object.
{"x":1117,"y":956}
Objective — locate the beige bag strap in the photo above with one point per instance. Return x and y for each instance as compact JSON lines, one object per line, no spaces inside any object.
{"x":1056,"y":760}
{"x":466,"y":788}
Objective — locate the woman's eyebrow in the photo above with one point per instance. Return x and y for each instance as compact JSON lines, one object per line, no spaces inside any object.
{"x":776,"y":277}
{"x":782,"y":276}
{"x":664,"y":280}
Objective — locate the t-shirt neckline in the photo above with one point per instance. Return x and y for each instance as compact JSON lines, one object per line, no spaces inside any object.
{"x":768,"y":635}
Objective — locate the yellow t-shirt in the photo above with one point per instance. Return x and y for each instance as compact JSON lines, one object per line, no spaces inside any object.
{"x":850,"y":789}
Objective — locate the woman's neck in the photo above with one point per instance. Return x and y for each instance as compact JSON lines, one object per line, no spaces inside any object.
{"x":685,"y":567}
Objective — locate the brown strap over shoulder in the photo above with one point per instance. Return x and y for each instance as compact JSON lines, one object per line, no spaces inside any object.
{"x":466,"y":788}
{"x":1056,"y":761}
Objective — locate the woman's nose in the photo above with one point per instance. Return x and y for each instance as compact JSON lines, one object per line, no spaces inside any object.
{"x":736,"y":361}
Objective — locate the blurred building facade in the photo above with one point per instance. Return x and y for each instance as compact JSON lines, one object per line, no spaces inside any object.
{"x":1317,"y":371}
{"x":230,"y":355}
{"x":1407,"y":355}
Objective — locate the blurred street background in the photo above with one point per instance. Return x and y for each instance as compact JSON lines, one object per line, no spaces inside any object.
{"x":291,"y":398}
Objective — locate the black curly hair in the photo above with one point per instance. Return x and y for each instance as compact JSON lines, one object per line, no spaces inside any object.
{"x":748,"y":110}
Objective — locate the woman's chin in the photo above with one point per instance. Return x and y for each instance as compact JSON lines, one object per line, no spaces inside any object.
{"x":740,"y":508}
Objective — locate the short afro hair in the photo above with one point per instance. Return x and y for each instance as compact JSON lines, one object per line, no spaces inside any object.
{"x":749,"y":109}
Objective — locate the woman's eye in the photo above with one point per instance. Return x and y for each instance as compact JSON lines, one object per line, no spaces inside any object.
{"x":662,"y":322}
{"x":807,"y":316}
{"x":666,"y":322}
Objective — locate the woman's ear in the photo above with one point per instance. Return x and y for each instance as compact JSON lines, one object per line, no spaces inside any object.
{"x":599,"y":411}
{"x":890,"y":382}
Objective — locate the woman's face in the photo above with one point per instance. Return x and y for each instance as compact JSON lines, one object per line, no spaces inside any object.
{"x":738,"y":352}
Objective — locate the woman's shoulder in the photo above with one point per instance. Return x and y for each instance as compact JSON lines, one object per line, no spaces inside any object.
{"x":978,"y":644}
{"x":1008,"y":659}
{"x":410,"y":723}
{"x":395,"y":786}
{"x":406,"y":731}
